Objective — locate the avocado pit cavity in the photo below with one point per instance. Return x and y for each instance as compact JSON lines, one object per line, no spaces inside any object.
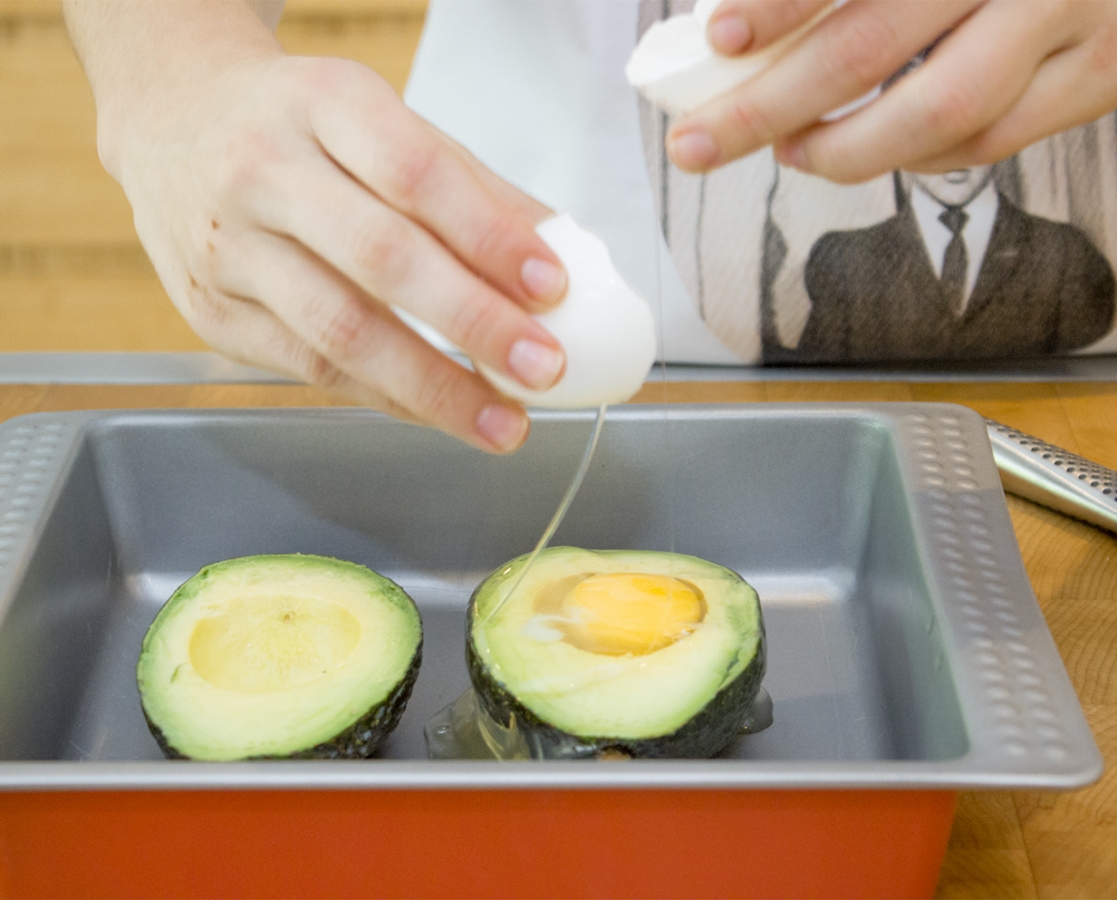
{"x":261,"y":643}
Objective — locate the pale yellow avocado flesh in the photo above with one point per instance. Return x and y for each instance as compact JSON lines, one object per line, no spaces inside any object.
{"x":260,"y":643}
{"x":269,"y":655}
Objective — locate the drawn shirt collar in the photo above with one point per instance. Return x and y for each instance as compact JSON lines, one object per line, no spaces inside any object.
{"x":981,"y":210}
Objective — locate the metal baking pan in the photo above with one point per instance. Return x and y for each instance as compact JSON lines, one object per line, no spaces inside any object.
{"x":907,"y":652}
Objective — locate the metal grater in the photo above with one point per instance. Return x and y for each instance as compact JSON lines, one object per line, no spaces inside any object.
{"x":1054,"y":477}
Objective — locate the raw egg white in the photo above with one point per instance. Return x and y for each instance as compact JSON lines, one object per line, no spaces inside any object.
{"x":674,"y":68}
{"x":605,"y":327}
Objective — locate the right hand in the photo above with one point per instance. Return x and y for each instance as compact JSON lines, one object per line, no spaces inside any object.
{"x":1005,"y":75}
{"x":288,"y":204}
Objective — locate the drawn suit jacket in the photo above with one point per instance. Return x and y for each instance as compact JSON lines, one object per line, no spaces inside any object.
{"x":1042,"y":288}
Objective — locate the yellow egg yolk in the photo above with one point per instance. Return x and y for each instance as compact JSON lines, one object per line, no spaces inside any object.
{"x":630,"y":612}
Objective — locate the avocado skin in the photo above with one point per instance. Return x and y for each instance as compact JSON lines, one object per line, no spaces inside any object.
{"x":360,"y":740}
{"x":705,"y":734}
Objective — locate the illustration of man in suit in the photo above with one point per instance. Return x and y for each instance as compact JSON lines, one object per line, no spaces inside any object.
{"x":959,"y":272}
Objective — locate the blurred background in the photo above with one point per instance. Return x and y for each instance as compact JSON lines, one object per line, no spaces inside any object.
{"x":73,"y":275}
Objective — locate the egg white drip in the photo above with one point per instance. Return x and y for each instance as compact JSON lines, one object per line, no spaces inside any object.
{"x":542,"y":628}
{"x":606,"y":328}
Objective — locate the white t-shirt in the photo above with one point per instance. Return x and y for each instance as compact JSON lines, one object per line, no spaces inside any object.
{"x":536,"y":90}
{"x":728,"y":262}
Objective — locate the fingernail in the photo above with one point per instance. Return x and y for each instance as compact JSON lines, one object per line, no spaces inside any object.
{"x":535,"y":364}
{"x":543,"y":280}
{"x":729,"y":34}
{"x":693,"y":150}
{"x":793,"y":156}
{"x":502,"y":427}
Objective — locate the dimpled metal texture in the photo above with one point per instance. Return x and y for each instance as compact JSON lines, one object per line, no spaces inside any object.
{"x":979,"y":589}
{"x":30,"y":456}
{"x":1055,"y":477}
{"x":1096,"y":476}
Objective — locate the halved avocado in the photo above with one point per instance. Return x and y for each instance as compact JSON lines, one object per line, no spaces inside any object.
{"x":285,"y":656}
{"x":648,"y":654}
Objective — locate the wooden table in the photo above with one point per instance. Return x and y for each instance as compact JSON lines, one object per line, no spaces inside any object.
{"x":1004,"y":844}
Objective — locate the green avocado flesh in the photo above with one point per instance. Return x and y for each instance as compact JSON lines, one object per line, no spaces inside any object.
{"x":279,"y":656}
{"x":574,"y":693}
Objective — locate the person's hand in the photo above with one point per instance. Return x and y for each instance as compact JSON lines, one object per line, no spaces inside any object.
{"x":1005,"y":74}
{"x":291,"y":205}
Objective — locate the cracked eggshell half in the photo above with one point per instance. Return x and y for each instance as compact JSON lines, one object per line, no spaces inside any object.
{"x":674,"y":68}
{"x":606,"y":329}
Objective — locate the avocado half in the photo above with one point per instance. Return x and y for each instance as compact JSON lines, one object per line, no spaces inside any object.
{"x":285,"y":656}
{"x":668,"y":667}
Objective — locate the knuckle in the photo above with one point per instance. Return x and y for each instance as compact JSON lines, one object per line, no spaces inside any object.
{"x":853,"y":51}
{"x":206,"y":314}
{"x":325,"y":74}
{"x":249,"y":166}
{"x":748,"y":120}
{"x":212,"y":254}
{"x":353,"y":85}
{"x":412,"y":170}
{"x":473,"y":322}
{"x":1101,"y":61}
{"x":439,"y":397}
{"x":383,"y":253}
{"x":220,"y":322}
{"x":491,"y":239}
{"x":316,"y":369}
{"x":342,"y":332}
{"x":256,"y":164}
{"x":949,"y":108}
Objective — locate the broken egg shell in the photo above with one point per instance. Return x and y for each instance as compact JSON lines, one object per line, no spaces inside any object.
{"x":605,"y":328}
{"x":674,"y":67}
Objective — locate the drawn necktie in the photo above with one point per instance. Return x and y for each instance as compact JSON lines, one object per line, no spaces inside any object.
{"x":954,"y":260}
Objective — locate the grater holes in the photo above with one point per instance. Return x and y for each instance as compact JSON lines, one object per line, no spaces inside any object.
{"x":1088,"y":473}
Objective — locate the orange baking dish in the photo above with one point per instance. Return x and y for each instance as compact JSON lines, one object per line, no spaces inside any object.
{"x":907,"y":656}
{"x":474,"y":843}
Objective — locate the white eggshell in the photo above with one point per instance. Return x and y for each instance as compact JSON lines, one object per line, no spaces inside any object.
{"x":606,"y":328}
{"x":675,"y":69}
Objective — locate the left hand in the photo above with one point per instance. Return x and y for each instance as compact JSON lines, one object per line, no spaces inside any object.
{"x":1007,"y":74}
